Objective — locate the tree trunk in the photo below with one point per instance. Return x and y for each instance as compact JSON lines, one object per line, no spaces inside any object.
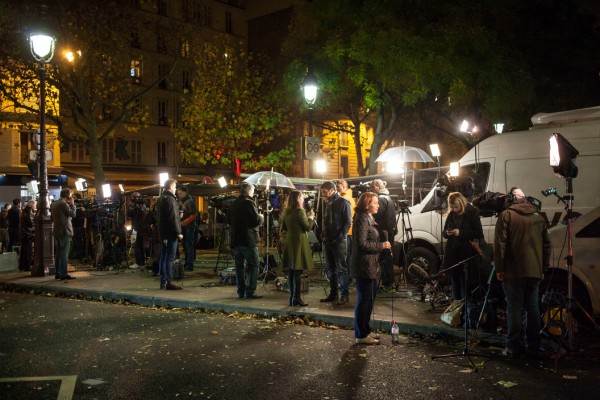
{"x":95,"y":148}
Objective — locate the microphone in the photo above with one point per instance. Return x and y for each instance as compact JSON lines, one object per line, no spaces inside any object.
{"x":385,"y":239}
{"x":549,"y":192}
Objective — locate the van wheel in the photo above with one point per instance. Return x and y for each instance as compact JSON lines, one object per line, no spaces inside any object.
{"x":424,"y":258}
{"x":553,"y":292}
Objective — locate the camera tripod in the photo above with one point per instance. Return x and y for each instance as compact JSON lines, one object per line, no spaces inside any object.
{"x":224,"y":243}
{"x":266,"y":269}
{"x":466,"y":352}
{"x":569,"y":302}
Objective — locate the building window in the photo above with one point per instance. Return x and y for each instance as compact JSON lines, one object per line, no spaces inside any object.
{"x":77,"y":151}
{"x":185,"y":81}
{"x":344,"y":140}
{"x":162,"y":153}
{"x":191,"y":10}
{"x":228,"y":22}
{"x":162,"y":113}
{"x":163,"y":69}
{"x":108,"y":150}
{"x":162,"y":7}
{"x":161,"y":43}
{"x":185,"y":48}
{"x":135,"y":40}
{"x":136,"y":71}
{"x":344,"y":166}
{"x":136,"y":151}
{"x":208,"y":17}
{"x":25,"y":146}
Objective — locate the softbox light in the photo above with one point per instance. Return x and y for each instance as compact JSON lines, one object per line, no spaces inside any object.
{"x":562,"y":154}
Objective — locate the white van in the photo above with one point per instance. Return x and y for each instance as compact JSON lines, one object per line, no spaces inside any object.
{"x":521,"y":159}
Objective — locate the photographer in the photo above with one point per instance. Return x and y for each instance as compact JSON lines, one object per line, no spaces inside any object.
{"x":137,"y":212}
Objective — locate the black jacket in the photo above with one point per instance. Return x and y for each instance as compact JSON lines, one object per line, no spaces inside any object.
{"x":167,"y":216}
{"x":244,"y":220}
{"x":337,"y":218}
{"x":469,"y":225}
{"x":365,"y":247}
{"x":386,"y":215}
{"x":27,"y":226}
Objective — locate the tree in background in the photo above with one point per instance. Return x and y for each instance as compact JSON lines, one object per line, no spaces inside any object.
{"x":421,"y":67}
{"x":96,"y":89}
{"x":233,"y":116}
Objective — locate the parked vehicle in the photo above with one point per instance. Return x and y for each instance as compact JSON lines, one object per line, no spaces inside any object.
{"x":518,"y":159}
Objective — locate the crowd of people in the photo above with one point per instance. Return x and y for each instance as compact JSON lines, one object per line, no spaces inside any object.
{"x":356,"y":238}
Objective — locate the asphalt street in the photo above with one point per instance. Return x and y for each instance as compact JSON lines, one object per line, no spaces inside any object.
{"x":54,"y":347}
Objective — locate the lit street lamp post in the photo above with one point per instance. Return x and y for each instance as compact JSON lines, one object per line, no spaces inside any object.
{"x":42,"y":49}
{"x":310,"y":88}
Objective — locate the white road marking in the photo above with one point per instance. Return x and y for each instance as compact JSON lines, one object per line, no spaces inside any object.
{"x":67,"y":386}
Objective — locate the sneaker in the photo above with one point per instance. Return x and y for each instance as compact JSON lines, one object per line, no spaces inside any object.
{"x":170,"y":286}
{"x":343,"y":300}
{"x":134,"y":266}
{"x":254,"y":296}
{"x":374,"y":335}
{"x":368,"y":341}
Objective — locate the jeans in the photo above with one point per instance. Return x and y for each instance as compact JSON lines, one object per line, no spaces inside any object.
{"x":165,"y":264}
{"x":246,"y":287}
{"x":387,"y":268}
{"x":294,"y":282}
{"x":337,"y":267}
{"x":62,"y":245}
{"x":366,"y":290}
{"x":189,"y":248}
{"x":522,"y":293}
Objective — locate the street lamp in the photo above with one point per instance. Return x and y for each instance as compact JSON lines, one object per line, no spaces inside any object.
{"x":310,"y":89}
{"x":42,"y":49}
{"x":472,"y":130}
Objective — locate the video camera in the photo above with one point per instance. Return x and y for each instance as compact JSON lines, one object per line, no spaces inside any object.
{"x":358,"y":190}
{"x":139,"y":200}
{"x":222,"y":202}
{"x":309,"y":203}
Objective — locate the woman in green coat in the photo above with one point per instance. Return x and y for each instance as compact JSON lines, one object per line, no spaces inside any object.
{"x":297,"y":255}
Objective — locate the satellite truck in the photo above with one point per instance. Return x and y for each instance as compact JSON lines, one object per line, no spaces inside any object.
{"x":521,"y":159}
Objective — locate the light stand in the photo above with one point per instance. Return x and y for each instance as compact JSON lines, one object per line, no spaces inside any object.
{"x":267,"y":259}
{"x":466,"y":351}
{"x":42,"y":49}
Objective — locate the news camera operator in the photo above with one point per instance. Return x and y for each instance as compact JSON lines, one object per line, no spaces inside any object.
{"x":137,"y":212}
{"x":188,"y":225}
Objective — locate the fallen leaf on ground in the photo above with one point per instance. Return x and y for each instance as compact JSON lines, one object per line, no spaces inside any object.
{"x":569,"y":377}
{"x":507,"y":384}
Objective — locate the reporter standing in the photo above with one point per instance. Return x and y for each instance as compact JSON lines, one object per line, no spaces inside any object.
{"x":297,"y":255}
{"x":462,"y":226}
{"x":364,"y":261}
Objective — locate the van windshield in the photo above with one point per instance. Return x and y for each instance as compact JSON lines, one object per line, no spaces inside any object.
{"x":471,"y":182}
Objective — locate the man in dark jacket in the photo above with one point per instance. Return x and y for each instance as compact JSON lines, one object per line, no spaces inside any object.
{"x":14,"y":218}
{"x":522,"y":249}
{"x":244,"y":221}
{"x":335,"y":222}
{"x":188,"y":225}
{"x":27,"y":235}
{"x":169,"y":232}
{"x":386,"y":221}
{"x":62,"y":211}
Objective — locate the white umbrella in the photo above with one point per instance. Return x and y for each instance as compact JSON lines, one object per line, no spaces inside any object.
{"x":270,"y":179}
{"x":402,"y":154}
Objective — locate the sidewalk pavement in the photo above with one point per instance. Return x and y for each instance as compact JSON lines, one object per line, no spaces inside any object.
{"x":202,"y":289}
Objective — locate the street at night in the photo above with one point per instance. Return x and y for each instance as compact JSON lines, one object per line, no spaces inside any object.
{"x":93,"y":350}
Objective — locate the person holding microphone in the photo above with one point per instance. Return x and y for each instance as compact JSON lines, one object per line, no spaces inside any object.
{"x":364,"y":261}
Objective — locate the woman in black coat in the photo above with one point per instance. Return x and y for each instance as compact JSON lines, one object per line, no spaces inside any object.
{"x":363,"y":264}
{"x":462,"y":226}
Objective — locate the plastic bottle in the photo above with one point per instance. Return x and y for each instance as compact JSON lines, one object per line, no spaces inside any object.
{"x":395,"y":331}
